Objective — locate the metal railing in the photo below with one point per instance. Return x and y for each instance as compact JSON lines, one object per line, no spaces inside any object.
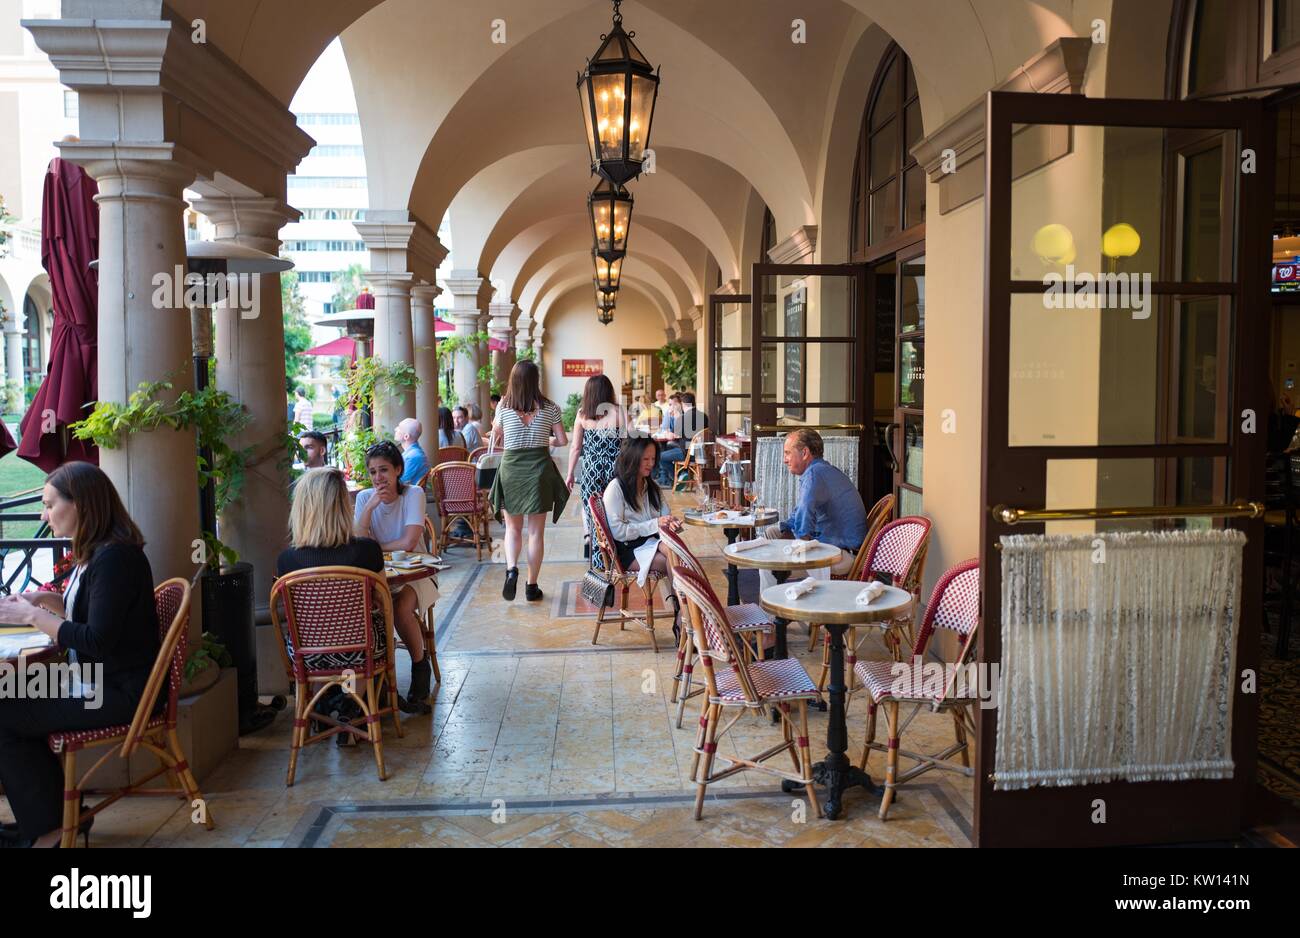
{"x":21,"y":575}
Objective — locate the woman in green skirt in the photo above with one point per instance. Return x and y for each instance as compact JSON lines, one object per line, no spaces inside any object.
{"x":527,"y":483}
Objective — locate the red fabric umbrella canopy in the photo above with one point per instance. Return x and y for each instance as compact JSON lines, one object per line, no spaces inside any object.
{"x":69,"y":242}
{"x":497,"y":345}
{"x":441,"y":325}
{"x":343,"y":347}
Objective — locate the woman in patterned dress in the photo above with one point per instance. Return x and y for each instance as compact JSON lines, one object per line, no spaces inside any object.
{"x":527,"y":483}
{"x":597,"y":431}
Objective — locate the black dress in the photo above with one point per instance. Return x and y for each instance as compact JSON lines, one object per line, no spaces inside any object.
{"x":113,"y":623}
{"x":359,"y":552}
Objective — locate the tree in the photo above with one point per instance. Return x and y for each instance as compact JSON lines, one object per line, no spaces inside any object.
{"x":347,"y":284}
{"x":680,"y":369}
{"x":297,"y":332}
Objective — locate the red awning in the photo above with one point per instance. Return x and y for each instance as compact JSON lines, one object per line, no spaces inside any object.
{"x":69,"y":242}
{"x":343,"y":348}
{"x":441,"y":325}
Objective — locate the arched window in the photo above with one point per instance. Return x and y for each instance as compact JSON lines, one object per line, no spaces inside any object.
{"x":33,"y":363}
{"x":888,"y":185}
{"x":768,"y":237}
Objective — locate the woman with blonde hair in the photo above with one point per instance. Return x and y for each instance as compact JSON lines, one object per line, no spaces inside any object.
{"x":321,"y":531}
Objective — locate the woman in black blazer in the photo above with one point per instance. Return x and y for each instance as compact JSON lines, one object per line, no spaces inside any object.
{"x":106,"y":618}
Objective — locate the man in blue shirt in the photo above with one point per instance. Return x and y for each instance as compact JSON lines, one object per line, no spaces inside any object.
{"x":830,"y":509}
{"x":408,"y":437}
{"x":683,"y":426}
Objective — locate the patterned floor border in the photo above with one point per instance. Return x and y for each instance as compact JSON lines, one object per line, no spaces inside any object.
{"x":321,"y":819}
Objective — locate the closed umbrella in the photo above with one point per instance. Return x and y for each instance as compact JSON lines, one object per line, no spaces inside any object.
{"x":69,"y":242}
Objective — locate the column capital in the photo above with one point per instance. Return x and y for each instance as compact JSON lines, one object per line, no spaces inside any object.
{"x":254,"y":221}
{"x":697,"y":318}
{"x":398,"y":240}
{"x":424,"y":294}
{"x":504,"y":311}
{"x":390,"y":282}
{"x":798,"y":248}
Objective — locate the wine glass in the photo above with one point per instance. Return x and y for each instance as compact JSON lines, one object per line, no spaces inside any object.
{"x":751,"y":496}
{"x":702,"y":494}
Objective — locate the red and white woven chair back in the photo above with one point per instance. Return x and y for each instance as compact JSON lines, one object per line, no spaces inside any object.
{"x":328,"y":609}
{"x":604,"y":539}
{"x":681,"y":553}
{"x":457,"y":488}
{"x":480,"y":451}
{"x":954,"y":604}
{"x":897,"y":548}
{"x":721,"y":641}
{"x":453,"y":454}
{"x":172,"y":599}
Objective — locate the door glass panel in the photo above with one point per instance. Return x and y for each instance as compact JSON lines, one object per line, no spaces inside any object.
{"x":732,"y":373}
{"x":1208,"y":59}
{"x":913,"y":449}
{"x":1129,"y":483}
{"x":798,"y":372}
{"x":795,"y":416}
{"x":911,"y":316}
{"x":733,"y":325}
{"x":737,"y":409}
{"x":884,"y":212}
{"x":911,"y":373}
{"x":909,"y":503}
{"x":1286,"y":24}
{"x":1203,"y":216}
{"x":802,"y":307}
{"x":1198,"y":368}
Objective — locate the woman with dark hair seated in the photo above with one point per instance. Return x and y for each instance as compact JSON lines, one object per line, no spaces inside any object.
{"x":633,"y":506}
{"x":392,"y":513}
{"x":105,"y":618}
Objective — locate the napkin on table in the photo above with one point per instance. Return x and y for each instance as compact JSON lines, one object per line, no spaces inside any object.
{"x":871,"y":591}
{"x":796,"y":590}
{"x":750,"y":544}
{"x":796,"y":548}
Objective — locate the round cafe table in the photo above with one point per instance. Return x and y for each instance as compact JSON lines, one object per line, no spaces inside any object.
{"x":732,"y":525}
{"x":772,"y":556}
{"x":833,"y":604}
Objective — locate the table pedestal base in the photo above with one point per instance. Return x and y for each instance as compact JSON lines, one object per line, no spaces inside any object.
{"x":836,"y":780}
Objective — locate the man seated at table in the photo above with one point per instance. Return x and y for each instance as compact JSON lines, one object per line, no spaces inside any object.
{"x":468,"y":429}
{"x":830,"y":509}
{"x":315,"y":447}
{"x":682,"y":427}
{"x":407,"y":435}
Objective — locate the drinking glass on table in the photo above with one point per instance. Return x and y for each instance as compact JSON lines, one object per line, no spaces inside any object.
{"x":751,"y":497}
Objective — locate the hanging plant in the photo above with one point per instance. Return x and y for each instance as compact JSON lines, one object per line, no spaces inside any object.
{"x":371,"y":374}
{"x":680,"y":370}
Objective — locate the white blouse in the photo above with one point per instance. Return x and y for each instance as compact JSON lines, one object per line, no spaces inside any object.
{"x":627,"y":524}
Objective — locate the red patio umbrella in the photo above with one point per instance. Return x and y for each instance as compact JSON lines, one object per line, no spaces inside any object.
{"x":441,"y":325}
{"x":497,"y":345}
{"x":343,"y":347}
{"x":69,"y":242}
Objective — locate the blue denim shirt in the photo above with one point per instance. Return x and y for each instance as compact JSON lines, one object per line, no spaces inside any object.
{"x":417,"y":464}
{"x":829,"y":509}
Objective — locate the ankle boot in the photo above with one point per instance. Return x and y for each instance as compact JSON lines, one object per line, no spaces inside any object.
{"x":512,"y":583}
{"x":417,"y":697}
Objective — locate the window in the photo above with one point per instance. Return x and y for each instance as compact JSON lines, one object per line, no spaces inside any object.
{"x":71,"y":106}
{"x":328,"y":119}
{"x":324,"y":245}
{"x":315,"y":276}
{"x":333,"y":214}
{"x":337,"y":149}
{"x":888,"y":184}
{"x":327,"y":182}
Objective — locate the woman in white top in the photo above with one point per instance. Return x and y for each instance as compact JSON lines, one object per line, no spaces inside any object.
{"x":527,"y":483}
{"x":633,"y":506}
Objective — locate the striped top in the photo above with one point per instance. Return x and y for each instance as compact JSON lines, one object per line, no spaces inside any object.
{"x":520,"y":435}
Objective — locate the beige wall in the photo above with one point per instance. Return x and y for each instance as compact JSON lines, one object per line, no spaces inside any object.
{"x":573,"y":332}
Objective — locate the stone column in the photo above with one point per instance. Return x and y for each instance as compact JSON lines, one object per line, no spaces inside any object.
{"x":250,"y":367}
{"x":144,"y":335}
{"x":426,"y":361}
{"x":13,"y":357}
{"x":523,"y":338}
{"x":466,"y":288}
{"x":501,"y":328}
{"x":403,"y":252}
{"x":538,"y":332}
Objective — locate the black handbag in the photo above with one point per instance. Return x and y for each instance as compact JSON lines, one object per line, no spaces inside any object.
{"x":485,"y":472}
{"x":596,"y":588}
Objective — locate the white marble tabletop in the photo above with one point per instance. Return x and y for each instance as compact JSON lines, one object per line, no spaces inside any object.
{"x":835,"y":601}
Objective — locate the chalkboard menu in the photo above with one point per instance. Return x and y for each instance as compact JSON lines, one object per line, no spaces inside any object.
{"x":796,"y":321}
{"x":885,"y":324}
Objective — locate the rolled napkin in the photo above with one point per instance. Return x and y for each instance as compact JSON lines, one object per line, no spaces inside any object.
{"x":750,"y":544}
{"x":798,"y":548}
{"x":873,"y":590}
{"x":796,"y":590}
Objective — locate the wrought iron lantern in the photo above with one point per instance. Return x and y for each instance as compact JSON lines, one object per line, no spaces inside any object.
{"x":608,"y":274}
{"x":617,"y":91}
{"x":610,"y":208}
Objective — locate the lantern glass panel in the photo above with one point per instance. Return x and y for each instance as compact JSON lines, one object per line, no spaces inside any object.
{"x":609,"y":93}
{"x":585,"y":103}
{"x":643,"y":103}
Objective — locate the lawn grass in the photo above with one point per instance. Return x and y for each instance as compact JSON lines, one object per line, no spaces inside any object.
{"x":16,"y":476}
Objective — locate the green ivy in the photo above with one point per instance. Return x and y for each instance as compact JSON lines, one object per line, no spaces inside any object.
{"x":210,"y":652}
{"x":680,"y":370}
{"x":352,"y":451}
{"x":372,"y":375}
{"x":570,"y":412}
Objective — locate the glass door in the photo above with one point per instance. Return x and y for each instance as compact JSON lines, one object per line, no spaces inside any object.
{"x":811,"y":340}
{"x":1124,"y":354}
{"x":731,"y":360}
{"x":909,"y":390}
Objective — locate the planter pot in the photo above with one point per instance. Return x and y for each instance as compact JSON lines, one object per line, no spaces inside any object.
{"x":228,"y":613}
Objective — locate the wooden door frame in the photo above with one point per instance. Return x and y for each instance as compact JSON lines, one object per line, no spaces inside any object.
{"x":1148,"y":812}
{"x":713,"y":323}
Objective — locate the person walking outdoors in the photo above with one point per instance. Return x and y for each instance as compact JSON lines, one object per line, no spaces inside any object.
{"x":597,"y":430}
{"x":527,"y":484}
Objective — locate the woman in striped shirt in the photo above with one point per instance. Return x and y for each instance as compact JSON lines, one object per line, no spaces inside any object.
{"x":527,"y":483}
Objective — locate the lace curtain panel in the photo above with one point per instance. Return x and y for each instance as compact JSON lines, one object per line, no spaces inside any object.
{"x":778,"y":487}
{"x":1118,"y":657}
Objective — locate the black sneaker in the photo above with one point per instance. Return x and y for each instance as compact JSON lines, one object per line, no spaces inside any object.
{"x":512,"y":583}
{"x":532,"y":592}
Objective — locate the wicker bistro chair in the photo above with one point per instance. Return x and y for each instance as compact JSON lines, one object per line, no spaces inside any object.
{"x":751,"y":687}
{"x":329,"y":641}
{"x":877,"y":518}
{"x":955,"y":605}
{"x":456,"y":493}
{"x":623,"y":580}
{"x":156,"y":732}
{"x":693,"y":467}
{"x":452,"y":454}
{"x":478,"y":451}
{"x":744,"y":619}
{"x":899,"y":551}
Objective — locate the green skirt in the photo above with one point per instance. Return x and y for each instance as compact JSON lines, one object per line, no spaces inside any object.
{"x":527,"y":483}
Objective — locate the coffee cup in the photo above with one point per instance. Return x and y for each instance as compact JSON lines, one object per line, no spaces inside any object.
{"x":399,"y":555}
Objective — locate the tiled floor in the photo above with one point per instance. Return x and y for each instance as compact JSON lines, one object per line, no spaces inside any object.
{"x":539,"y":738}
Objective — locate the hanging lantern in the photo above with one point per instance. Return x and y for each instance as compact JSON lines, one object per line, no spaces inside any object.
{"x":617,"y":92}
{"x":605,"y":316}
{"x":606,"y":301}
{"x":607,"y":274}
{"x":610,"y":208}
